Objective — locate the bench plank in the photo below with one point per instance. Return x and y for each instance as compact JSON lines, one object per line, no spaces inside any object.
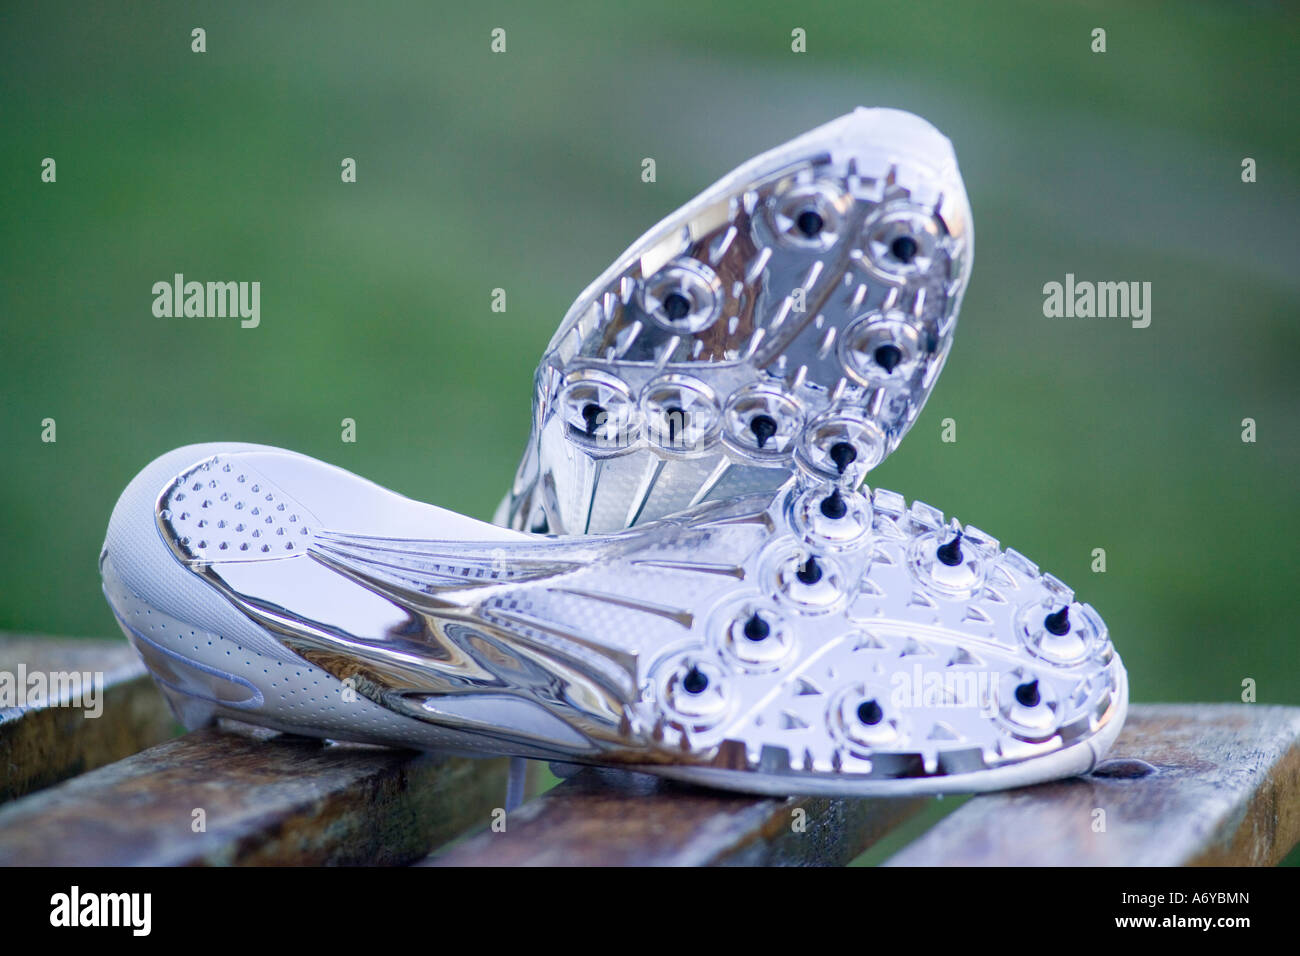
{"x":265,"y":800}
{"x":1204,"y":784}
{"x":43,"y":743}
{"x":605,"y":817}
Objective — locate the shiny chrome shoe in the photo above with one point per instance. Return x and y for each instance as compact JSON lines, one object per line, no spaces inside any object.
{"x":796,"y":312}
{"x":819,"y":641}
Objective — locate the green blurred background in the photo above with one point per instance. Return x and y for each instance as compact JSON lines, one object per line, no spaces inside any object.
{"x":522,"y":171}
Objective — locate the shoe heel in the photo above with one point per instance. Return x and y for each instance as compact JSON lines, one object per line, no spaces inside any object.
{"x":192,"y":712}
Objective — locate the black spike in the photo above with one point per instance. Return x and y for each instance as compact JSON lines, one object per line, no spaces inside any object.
{"x":676,"y":418}
{"x":1027,"y":694}
{"x":833,"y":506}
{"x":810,"y":222}
{"x":843,"y":454}
{"x":904,"y":248}
{"x":757,"y":629}
{"x":869,"y":712}
{"x":950,"y":554}
{"x":592,"y":414}
{"x":809,"y":572}
{"x":676,"y":306}
{"x":763,"y":427}
{"x":888,"y":356}
{"x":695,"y":682}
{"x":1058,"y":622}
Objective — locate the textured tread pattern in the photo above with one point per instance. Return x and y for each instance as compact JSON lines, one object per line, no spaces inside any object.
{"x":806,"y":303}
{"x":882,"y":662}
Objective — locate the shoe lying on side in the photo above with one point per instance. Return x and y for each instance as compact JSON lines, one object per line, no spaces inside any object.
{"x":821,"y":640}
{"x":796,"y":312}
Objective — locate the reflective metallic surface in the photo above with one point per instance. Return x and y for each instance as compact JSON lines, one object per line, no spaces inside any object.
{"x":819,"y":640}
{"x":795,"y":314}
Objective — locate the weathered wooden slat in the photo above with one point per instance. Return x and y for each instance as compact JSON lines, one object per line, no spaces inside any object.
{"x":612,"y":818}
{"x":43,"y":743}
{"x":279,"y":800}
{"x":1202,"y":784}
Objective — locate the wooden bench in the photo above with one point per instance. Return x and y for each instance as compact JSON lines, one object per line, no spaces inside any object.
{"x":1204,"y":784}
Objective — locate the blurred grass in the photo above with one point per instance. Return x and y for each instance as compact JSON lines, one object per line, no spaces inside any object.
{"x":522,"y":171}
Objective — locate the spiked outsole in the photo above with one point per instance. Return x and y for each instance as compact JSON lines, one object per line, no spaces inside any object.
{"x":821,"y":640}
{"x":794,"y":315}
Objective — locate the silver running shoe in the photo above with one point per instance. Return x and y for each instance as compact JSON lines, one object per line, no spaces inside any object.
{"x":822,"y":640}
{"x":797,"y":312}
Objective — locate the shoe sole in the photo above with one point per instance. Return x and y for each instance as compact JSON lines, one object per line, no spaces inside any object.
{"x":794,"y":315}
{"x":770,"y":644}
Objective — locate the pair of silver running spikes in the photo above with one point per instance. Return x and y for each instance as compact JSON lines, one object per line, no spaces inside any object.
{"x":688,"y":576}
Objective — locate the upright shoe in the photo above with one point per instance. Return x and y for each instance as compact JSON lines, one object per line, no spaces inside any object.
{"x":796,"y":313}
{"x":819,"y":640}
